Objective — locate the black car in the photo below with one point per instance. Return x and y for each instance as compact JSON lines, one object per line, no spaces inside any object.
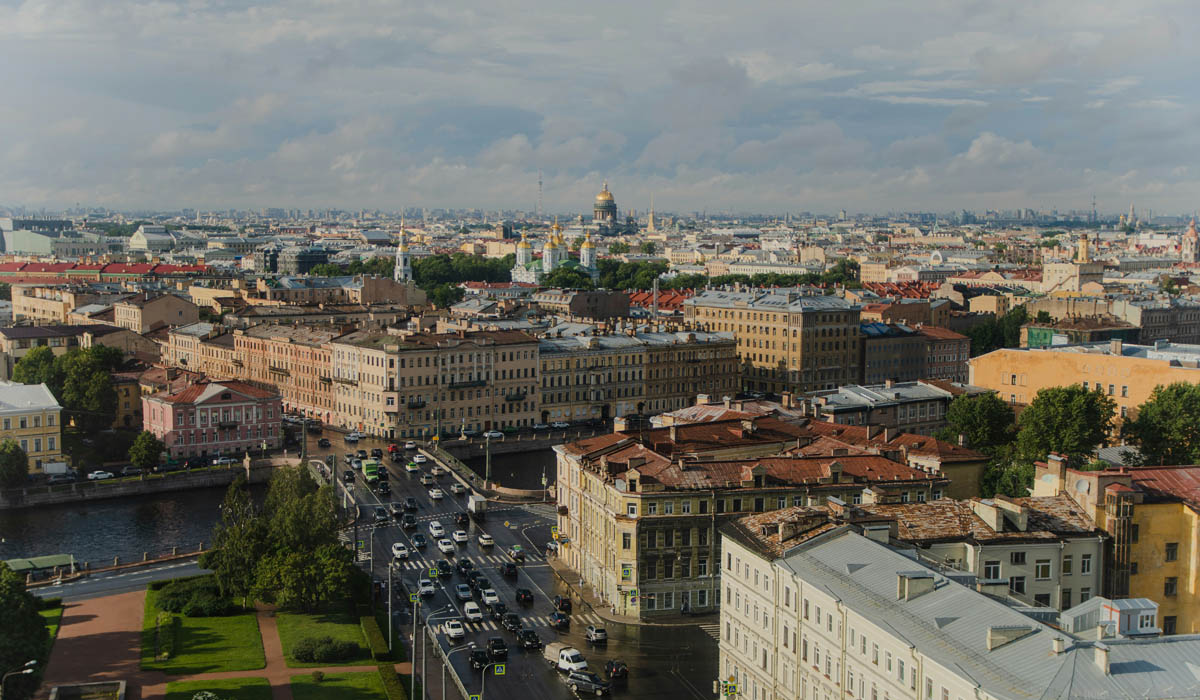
{"x":131,"y":471}
{"x":498,"y":610}
{"x":528,"y":639}
{"x":524,"y":596}
{"x":398,"y":457}
{"x":472,"y":576}
{"x":348,"y":476}
{"x":323,"y":442}
{"x":383,"y":488}
{"x":419,"y":541}
{"x":361,"y":454}
{"x":479,"y":659}
{"x":377,"y":453}
{"x":443,"y":568}
{"x":562,"y":604}
{"x":560,"y":621}
{"x":462,"y":520}
{"x":464,"y":566}
{"x":511,"y":622}
{"x":410,"y":503}
{"x":479,"y":583}
{"x":615,"y":668}
{"x":507,"y":569}
{"x":396,"y":510}
{"x":408,"y":521}
{"x":381,"y":514}
{"x":586,"y":682}
{"x":383,"y":475}
{"x":497,"y":650}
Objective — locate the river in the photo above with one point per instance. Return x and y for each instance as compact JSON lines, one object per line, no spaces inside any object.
{"x":518,"y":470}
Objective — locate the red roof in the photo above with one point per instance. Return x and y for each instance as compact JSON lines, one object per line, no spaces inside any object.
{"x":1172,"y":483}
{"x":193,"y":392}
{"x":127,"y":269}
{"x":12,"y":266}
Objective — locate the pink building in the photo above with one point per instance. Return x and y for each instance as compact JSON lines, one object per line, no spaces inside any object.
{"x":214,"y":418}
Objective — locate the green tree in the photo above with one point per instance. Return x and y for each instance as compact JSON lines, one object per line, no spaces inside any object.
{"x":575,"y":244}
{"x":145,"y":450}
{"x":984,"y":421}
{"x":1069,"y":420}
{"x":1165,"y":430}
{"x":444,"y":295}
{"x":24,"y":636}
{"x":327,"y":270}
{"x":39,"y":366}
{"x":5,"y":291}
{"x":304,"y":580}
{"x":1003,"y":332}
{"x":300,"y":515}
{"x":692,"y":281}
{"x":14,"y":464}
{"x":239,"y":541}
{"x":618,"y":248}
{"x":566,"y":278}
{"x":88,"y":390}
{"x":648,"y":247}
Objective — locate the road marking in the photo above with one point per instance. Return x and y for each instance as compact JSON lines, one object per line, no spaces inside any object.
{"x":712,"y":629}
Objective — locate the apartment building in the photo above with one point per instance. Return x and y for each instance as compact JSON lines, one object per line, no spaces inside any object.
{"x":786,"y":340}
{"x":142,"y":313}
{"x":296,"y":359}
{"x":17,"y":341}
{"x":821,"y":611}
{"x":912,"y":407}
{"x":597,"y":304}
{"x":891,"y":351}
{"x":1125,"y":373}
{"x":44,"y":305}
{"x":31,"y":416}
{"x":946,"y":354}
{"x":641,"y":508}
{"x":215,"y":418}
{"x":1151,"y":516}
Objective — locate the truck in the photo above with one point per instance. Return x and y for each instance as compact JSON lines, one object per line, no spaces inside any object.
{"x":56,"y":468}
{"x":477,"y":506}
{"x":564,"y":657}
{"x":370,"y":471}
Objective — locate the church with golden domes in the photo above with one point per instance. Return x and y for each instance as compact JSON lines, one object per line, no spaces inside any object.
{"x":555,"y":254}
{"x":604,"y":211}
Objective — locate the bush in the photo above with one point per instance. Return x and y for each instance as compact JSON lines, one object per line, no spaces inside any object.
{"x":323,"y":650}
{"x":194,"y":597}
{"x":318,"y":676}
{"x":49,"y":603}
{"x":392,"y":683}
{"x":376,"y":642}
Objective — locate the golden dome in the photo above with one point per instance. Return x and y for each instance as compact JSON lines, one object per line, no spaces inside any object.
{"x":587,"y":242}
{"x":524,"y":243}
{"x":556,"y":228}
{"x":605,"y":195}
{"x":550,"y":243}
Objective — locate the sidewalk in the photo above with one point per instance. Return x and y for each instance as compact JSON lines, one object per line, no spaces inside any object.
{"x":606,"y":610}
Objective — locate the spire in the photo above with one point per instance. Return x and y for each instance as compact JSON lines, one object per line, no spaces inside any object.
{"x":650,"y":226}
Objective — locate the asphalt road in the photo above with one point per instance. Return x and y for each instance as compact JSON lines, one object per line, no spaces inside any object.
{"x":113,"y":583}
{"x":676,"y":662}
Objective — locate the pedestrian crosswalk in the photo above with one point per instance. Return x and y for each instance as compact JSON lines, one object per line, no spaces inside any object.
{"x":712,"y":629}
{"x":422,"y":564}
{"x":534,"y":621}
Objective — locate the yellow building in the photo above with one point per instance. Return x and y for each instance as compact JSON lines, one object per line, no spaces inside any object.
{"x":1125,"y":373}
{"x":30,"y":415}
{"x":1152,"y":515}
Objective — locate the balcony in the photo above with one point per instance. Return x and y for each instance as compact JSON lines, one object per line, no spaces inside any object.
{"x":416,"y":403}
{"x":345,"y":380}
{"x":325,"y":379}
{"x":278,"y":370}
{"x":467,"y":384}
{"x":518,"y":396}
{"x":226,"y":424}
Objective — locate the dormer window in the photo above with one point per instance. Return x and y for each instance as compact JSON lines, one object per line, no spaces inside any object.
{"x":633,"y":484}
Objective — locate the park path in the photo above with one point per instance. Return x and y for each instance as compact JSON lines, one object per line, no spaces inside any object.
{"x":101,"y":639}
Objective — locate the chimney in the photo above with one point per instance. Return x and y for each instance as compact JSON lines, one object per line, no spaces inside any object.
{"x":672,"y":432}
{"x":888,"y":383}
{"x":702,"y":399}
{"x":1114,"y":346}
{"x":1059,"y":645}
{"x":1101,"y":656}
{"x":788,"y":400}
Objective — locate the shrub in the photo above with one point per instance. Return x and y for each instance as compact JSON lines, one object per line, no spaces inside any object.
{"x":318,"y":676}
{"x":376,"y":642}
{"x":49,"y":603}
{"x":194,"y":597}
{"x":393,"y":685}
{"x":323,"y":650}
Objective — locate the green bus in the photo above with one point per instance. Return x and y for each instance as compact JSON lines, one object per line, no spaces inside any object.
{"x":370,"y":470}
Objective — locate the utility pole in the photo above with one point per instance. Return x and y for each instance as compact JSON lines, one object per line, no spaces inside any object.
{"x":487,"y":461}
{"x":391,"y":620}
{"x":416,"y":601}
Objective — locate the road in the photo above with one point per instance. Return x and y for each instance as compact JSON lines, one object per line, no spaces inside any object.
{"x":112,"y":583}
{"x":678,"y":661}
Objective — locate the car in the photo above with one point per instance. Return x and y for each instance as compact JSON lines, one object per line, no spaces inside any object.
{"x":469,"y":433}
{"x":393,"y":448}
{"x":479,"y":659}
{"x":516,"y":553}
{"x":457,"y":489}
{"x":507,"y":569}
{"x":67,"y":478}
{"x":586,"y":682}
{"x":381,"y":514}
{"x":560,"y":425}
{"x":541,"y":426}
{"x":524,"y":596}
{"x":397,"y":457}
{"x":436,"y":529}
{"x":348,"y":476}
{"x":383,"y":488}
{"x":408,"y":521}
{"x":427,"y":479}
{"x":382,"y":474}
{"x":497,"y":610}
{"x":462,"y":591}
{"x":347,"y":458}
{"x":454,"y":629}
{"x":356,"y":464}
{"x":361,"y":454}
{"x":411,"y":468}
{"x":443,"y":568}
{"x":485,"y":540}
{"x":552,"y":546}
{"x":218,"y":461}
{"x":615,"y":668}
{"x":562,"y":604}
{"x":419,"y":541}
{"x":131,"y":471}
{"x":376,"y":453}
{"x":464,"y":565}
{"x":420,"y":459}
{"x":436,"y":494}
{"x":511,"y":622}
{"x":490,"y":596}
{"x":351,"y":437}
{"x":437,"y":470}
{"x":425,"y":587}
{"x":595,"y":634}
{"x":493,"y":435}
{"x":496,"y":648}
{"x":462,"y":520}
{"x":99,"y":475}
{"x":410,"y":503}
{"x":479,"y":583}
{"x":528,"y":639}
{"x":399,"y":550}
{"x":445,"y":546}
{"x":396,"y":510}
{"x":472,"y":612}
{"x":459,"y":536}
{"x":410,"y":445}
{"x":324,"y":442}
{"x":560,"y":621}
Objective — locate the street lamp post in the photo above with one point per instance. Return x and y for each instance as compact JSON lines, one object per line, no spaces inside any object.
{"x":483,"y":679}
{"x":430,"y":618}
{"x":23,"y":671}
{"x":469,"y":645}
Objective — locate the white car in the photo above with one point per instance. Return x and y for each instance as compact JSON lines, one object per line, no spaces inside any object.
{"x":454,"y":629}
{"x":224,"y":460}
{"x":426,"y":587}
{"x":356,"y":435}
{"x":490,"y":596}
{"x":560,"y":425}
{"x":493,"y":434}
{"x":472,"y":612}
{"x":399,"y":551}
{"x":459,"y":536}
{"x":410,"y":445}
{"x":99,"y":475}
{"x":436,"y":529}
{"x":426,"y":479}
{"x":411,"y":468}
{"x":420,"y":459}
{"x":485,"y":540}
{"x":446,"y":546}
{"x":436,"y":494}
{"x":457,"y":488}
{"x":436,"y":470}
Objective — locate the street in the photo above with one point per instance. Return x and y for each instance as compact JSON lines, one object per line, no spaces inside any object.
{"x":111,"y":583}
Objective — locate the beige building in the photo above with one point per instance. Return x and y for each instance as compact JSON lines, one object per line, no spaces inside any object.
{"x":31,"y":416}
{"x":143,"y":313}
{"x":296,"y":359}
{"x":52,"y":304}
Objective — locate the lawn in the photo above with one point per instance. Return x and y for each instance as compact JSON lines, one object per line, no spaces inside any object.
{"x":52,"y":616}
{"x":205,"y":644}
{"x":253,"y":688}
{"x":339,"y":686}
{"x":336,"y":622}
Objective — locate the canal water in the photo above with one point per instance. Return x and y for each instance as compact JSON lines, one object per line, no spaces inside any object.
{"x":518,"y":470}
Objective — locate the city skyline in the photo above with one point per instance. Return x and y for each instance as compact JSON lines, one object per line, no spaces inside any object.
{"x":929,"y":107}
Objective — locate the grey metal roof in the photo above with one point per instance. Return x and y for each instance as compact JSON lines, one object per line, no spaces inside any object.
{"x":793,"y":299}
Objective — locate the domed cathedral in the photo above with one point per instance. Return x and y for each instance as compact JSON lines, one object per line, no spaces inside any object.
{"x":555,"y":254}
{"x":604,"y":211}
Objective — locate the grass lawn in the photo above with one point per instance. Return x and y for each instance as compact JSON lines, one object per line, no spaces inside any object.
{"x":205,"y":644}
{"x":339,"y":686}
{"x":226,"y":688}
{"x":53,"y":617}
{"x":336,"y":622}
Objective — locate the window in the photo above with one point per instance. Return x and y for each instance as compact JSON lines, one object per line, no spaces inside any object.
{"x":702,"y":598}
{"x":1016,"y":584}
{"x":1085,"y":594}
{"x":1042,"y":599}
{"x":50,"y":443}
{"x":626,"y":540}
{"x":875,"y":654}
{"x":1134,"y":533}
{"x":1016,"y":558}
{"x":1168,"y":626}
{"x":631,"y":510}
{"x":1170,"y":586}
{"x":1133,"y":568}
{"x":1145,"y":620}
{"x":1068,"y":562}
{"x":991,"y":570}
{"x":685,"y":507}
{"x":648,"y":601}
{"x":702,"y":566}
{"x":1041,"y":570}
{"x":1066,"y":599}
{"x":1172,"y":553}
{"x":669,"y":508}
{"x":8,"y":424}
{"x":24,"y":422}
{"x":1124,"y":391}
{"x":652,"y":508}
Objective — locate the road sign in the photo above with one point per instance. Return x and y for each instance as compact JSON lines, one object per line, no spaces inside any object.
{"x":505,"y":523}
{"x":499,"y":669}
{"x":474,"y":697}
{"x":412,"y":597}
{"x":433,"y":572}
{"x":553,"y":529}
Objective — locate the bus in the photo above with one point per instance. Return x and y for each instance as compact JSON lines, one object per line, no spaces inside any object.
{"x":370,"y":470}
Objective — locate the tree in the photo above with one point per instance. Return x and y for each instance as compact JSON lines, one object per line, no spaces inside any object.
{"x":567,"y":278}
{"x":239,"y":541}
{"x":327,"y":270}
{"x":618,"y":248}
{"x":648,"y":247}
{"x":575,"y":244}
{"x":14,"y":464}
{"x":1165,"y":430}
{"x":1003,"y":332}
{"x":146,"y":450}
{"x":25,"y":637}
{"x":1069,"y":420}
{"x":984,"y":420}
{"x":39,"y":366}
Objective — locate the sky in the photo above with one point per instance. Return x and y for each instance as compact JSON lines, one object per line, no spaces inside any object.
{"x":869,"y":106}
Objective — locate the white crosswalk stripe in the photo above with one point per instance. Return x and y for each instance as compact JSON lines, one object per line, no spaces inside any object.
{"x":712,"y":629}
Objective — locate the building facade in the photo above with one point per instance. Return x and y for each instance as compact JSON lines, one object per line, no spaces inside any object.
{"x":32,"y":417}
{"x":215,"y":418}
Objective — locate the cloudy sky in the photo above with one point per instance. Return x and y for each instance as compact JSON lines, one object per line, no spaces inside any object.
{"x":870,"y":105}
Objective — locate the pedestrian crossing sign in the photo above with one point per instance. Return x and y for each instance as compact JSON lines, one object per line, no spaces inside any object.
{"x":412,"y":597}
{"x":433,"y":572}
{"x":499,"y":669}
{"x":473,"y":697}
{"x":553,"y":529}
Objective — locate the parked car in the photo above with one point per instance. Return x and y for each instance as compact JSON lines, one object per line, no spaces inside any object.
{"x":472,"y":612}
{"x":324,"y":442}
{"x":445,"y":546}
{"x":497,"y":649}
{"x":469,"y":433}
{"x":479,"y":659}
{"x":511,"y":622}
{"x":560,"y":425}
{"x":541,"y":426}
{"x":219,"y":461}
{"x":131,"y":471}
{"x":524,"y":596}
{"x":399,"y":550}
{"x":454,"y":629}
{"x":587,"y":682}
{"x":67,"y":478}
{"x":425,"y":587}
{"x":462,"y":591}
{"x":528,"y":639}
{"x":595,"y":634}
{"x":99,"y":475}
{"x":493,"y":434}
{"x":562,"y":604}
